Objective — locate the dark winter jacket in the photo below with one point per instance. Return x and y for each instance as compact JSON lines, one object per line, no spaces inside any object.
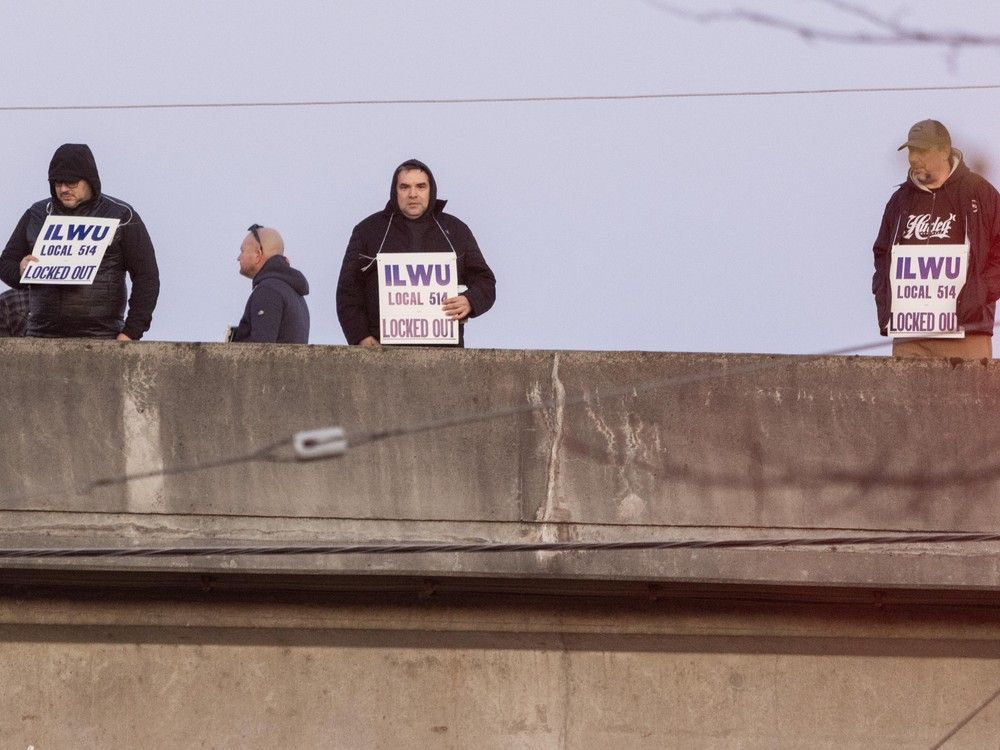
{"x":96,"y":310}
{"x":975,"y":205}
{"x":389,"y":231}
{"x":276,"y":310}
{"x":14,"y":312}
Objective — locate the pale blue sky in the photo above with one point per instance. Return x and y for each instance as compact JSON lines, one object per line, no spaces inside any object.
{"x":735,"y":224}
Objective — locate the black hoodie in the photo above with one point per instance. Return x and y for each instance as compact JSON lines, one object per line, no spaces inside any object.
{"x":96,"y":310}
{"x":70,"y":162}
{"x":390,"y":231}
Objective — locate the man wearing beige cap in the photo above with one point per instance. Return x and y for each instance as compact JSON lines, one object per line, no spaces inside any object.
{"x":937,"y":254}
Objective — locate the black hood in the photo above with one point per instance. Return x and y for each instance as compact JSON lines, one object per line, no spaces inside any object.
{"x":276,"y":267}
{"x":433,"y":206}
{"x":71,"y":162}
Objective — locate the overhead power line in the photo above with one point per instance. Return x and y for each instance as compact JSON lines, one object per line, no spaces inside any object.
{"x":491,"y":100}
{"x":414,"y":548}
{"x":958,"y":727}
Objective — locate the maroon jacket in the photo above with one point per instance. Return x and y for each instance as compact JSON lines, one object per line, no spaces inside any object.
{"x":975,"y":204}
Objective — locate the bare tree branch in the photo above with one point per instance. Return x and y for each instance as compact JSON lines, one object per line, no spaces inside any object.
{"x":865,"y":15}
{"x":889,"y":32}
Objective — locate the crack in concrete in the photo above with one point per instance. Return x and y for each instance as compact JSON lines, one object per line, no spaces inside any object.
{"x":602,"y":427}
{"x":553,"y":506}
{"x":633,"y":450}
{"x":141,"y":437}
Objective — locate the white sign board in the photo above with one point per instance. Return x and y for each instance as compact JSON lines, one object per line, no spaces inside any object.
{"x":926,"y":281}
{"x":69,"y":250}
{"x":412,"y":287}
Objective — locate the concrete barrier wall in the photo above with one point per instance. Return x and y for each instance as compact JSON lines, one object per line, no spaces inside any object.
{"x":724,"y":441}
{"x":829,"y":647}
{"x":506,"y":674}
{"x":621,"y":446}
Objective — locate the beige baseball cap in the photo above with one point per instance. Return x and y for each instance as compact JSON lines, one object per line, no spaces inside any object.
{"x":927,"y":134}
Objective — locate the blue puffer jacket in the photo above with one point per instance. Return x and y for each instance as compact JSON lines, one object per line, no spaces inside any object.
{"x":276,"y":311}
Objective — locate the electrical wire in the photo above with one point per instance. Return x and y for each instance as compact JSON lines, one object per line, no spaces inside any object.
{"x":412,"y":548}
{"x":268,"y":452}
{"x":958,"y":727}
{"x":494,"y":99}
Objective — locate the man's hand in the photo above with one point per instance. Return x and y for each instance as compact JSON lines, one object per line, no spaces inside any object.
{"x":369,"y":342}
{"x":122,"y":337}
{"x":26,"y":260}
{"x":457,"y":308}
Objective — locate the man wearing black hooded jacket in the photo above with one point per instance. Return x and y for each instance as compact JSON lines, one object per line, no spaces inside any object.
{"x":413,"y":221}
{"x":96,"y":310}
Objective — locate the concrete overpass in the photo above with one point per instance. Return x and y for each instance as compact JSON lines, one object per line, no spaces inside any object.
{"x":884,"y":645}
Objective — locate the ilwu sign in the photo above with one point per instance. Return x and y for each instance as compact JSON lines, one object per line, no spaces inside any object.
{"x":69,"y":250}
{"x":926,"y":281}
{"x":412,"y":287}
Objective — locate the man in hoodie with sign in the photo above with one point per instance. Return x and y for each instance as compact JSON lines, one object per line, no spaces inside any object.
{"x":95,"y":310}
{"x":937,"y":255}
{"x":413,"y":221}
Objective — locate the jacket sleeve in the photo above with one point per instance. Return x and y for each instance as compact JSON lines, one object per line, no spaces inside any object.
{"x":882,"y":250}
{"x":140,"y":262}
{"x":477,"y":276}
{"x":991,"y":225}
{"x":266,"y":308}
{"x":352,"y":310}
{"x":16,"y":248}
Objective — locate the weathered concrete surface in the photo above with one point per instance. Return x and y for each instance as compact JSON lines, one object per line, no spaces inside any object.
{"x":502,"y":674}
{"x":847,"y":647}
{"x":622,"y":446}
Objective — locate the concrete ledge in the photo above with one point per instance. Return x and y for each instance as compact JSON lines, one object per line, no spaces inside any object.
{"x":725,"y":446}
